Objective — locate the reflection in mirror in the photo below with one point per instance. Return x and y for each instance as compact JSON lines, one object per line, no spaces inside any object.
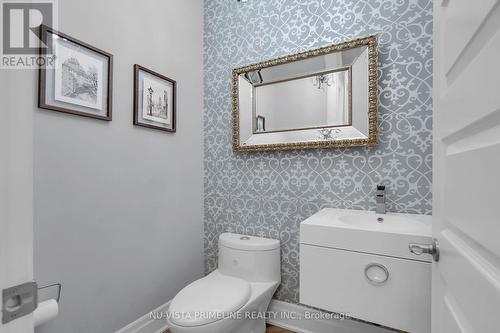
{"x":320,"y":98}
{"x":314,"y":101}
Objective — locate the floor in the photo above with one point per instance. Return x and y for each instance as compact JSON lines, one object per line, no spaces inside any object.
{"x":274,"y":329}
{"x":270,"y":329}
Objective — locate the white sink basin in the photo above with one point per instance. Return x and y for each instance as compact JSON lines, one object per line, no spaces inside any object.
{"x":386,"y":223}
{"x":358,"y":262}
{"x":364,"y":231}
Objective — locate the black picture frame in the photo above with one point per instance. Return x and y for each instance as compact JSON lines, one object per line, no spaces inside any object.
{"x":65,"y":107}
{"x":138,"y":108}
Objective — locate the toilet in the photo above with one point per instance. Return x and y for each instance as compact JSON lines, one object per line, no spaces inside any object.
{"x":234,"y":297}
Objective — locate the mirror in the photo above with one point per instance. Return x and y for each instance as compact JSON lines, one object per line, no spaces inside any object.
{"x":316,"y":99}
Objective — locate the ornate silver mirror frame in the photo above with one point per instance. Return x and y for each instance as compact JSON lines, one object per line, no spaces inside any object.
{"x":249,"y":134}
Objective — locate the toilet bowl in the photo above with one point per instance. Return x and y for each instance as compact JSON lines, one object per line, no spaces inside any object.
{"x":233,"y":298}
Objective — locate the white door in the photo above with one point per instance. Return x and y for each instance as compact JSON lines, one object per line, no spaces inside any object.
{"x":466,"y":280}
{"x":16,"y":188}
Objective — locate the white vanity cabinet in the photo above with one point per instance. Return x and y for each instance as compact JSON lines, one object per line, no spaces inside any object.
{"x":353,"y":263}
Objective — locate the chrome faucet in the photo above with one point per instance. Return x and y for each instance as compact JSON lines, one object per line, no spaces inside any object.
{"x":380,"y":199}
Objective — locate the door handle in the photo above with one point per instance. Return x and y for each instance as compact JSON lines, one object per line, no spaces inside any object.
{"x":432,"y":249}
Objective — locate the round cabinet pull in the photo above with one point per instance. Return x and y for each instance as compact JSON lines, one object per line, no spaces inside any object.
{"x":376,"y":273}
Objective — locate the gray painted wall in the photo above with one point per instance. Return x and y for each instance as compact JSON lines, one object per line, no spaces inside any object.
{"x":269,"y":194}
{"x":118,"y":209}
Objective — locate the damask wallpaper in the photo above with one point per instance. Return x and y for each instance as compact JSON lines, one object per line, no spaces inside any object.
{"x":269,"y":194}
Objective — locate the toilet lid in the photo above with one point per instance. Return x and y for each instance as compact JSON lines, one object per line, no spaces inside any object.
{"x":209,"y":299}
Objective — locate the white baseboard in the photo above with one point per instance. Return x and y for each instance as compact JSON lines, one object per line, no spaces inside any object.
{"x":146,"y":324}
{"x":316,"y":325}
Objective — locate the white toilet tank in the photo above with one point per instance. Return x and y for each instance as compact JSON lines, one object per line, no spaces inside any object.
{"x":253,"y":259}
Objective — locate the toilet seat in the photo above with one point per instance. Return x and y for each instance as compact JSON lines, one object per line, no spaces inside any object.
{"x":209,"y":299}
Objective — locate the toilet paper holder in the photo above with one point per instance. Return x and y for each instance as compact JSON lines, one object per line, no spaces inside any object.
{"x":21,"y":300}
{"x":59,"y":289}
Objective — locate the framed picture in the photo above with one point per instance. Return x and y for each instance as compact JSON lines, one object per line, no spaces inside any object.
{"x":154,"y":100}
{"x":80,"y":80}
{"x":254,"y":77}
{"x":260,"y":124}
